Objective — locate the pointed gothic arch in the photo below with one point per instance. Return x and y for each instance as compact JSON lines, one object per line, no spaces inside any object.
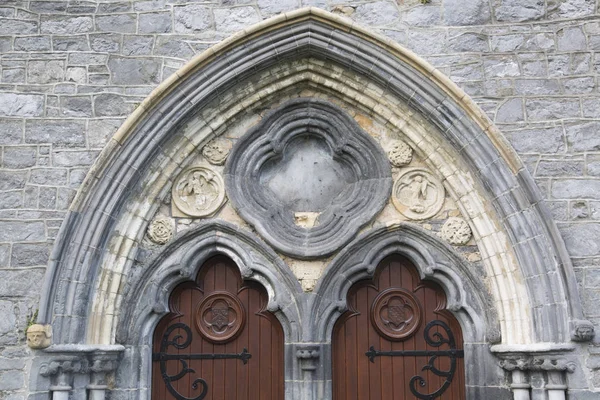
{"x":529,"y":274}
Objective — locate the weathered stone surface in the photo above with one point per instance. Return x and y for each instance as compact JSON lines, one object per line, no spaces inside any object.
{"x":501,"y":67}
{"x":11,"y":180}
{"x":11,"y":200}
{"x":70,"y":43}
{"x":194,"y":18}
{"x":423,"y":16}
{"x":45,"y":71}
{"x":17,"y":157}
{"x":27,"y":255}
{"x":268,"y":8}
{"x":570,"y":39}
{"x":22,"y":231}
{"x":376,"y":14}
{"x":12,"y":380}
{"x":538,"y":140}
{"x":236,"y":19}
{"x":14,"y":26}
{"x":74,"y":158}
{"x":21,"y":105}
{"x":159,"y":22}
{"x":511,"y":111}
{"x":66,"y":24}
{"x":48,"y":176}
{"x":576,"y":189}
{"x":8,"y":324}
{"x":122,"y":23}
{"x":32,"y":43}
{"x":12,"y":131}
{"x":538,"y":110}
{"x":76,"y":106}
{"x":101,"y":130}
{"x":173,"y":47}
{"x":61,"y":133}
{"x":473,"y":12}
{"x":108,"y":104}
{"x":106,"y":42}
{"x":570,"y":8}
{"x":558,"y":168}
{"x":518,"y":11}
{"x":581,"y":239}
{"x":584,"y":136}
{"x":134,"y":71}
{"x":469,"y":41}
{"x":137,"y":45}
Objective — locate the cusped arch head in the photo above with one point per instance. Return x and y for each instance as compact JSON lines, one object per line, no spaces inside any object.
{"x":147,"y":299}
{"x":132,"y":176}
{"x":467,"y":297}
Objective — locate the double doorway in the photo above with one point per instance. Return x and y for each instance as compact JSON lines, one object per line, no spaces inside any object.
{"x":395,"y":341}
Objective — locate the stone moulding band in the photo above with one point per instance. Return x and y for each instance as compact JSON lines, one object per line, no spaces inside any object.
{"x":362,"y":197}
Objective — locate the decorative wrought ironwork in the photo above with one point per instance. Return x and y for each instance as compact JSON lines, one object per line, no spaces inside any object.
{"x":180,"y":342}
{"x":436,"y":339}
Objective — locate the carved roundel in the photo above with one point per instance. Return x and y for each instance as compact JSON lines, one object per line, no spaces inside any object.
{"x":307,"y":177}
{"x":220,"y":317}
{"x":199,"y":191}
{"x":396,"y":314}
{"x":417,"y":194}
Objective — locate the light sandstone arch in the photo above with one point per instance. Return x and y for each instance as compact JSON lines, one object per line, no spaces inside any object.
{"x":528,"y":271}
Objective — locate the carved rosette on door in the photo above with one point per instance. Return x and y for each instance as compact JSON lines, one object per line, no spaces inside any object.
{"x":218,"y":341}
{"x":397,"y":340}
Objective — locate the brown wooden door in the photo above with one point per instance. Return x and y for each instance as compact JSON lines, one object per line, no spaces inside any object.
{"x":397,"y":341}
{"x":218,"y":342}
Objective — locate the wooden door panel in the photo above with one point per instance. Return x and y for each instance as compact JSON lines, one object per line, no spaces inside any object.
{"x":218,"y":342}
{"x":397,"y":341}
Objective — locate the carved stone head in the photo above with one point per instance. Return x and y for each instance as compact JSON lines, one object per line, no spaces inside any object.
{"x":39,"y":336}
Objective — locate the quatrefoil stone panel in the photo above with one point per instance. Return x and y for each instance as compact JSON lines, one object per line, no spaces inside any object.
{"x":307,"y":177}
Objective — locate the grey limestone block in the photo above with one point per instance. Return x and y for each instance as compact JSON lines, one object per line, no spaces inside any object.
{"x":473,"y":12}
{"x":518,"y":10}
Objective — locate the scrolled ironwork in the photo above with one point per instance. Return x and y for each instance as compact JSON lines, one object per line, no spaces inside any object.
{"x":436,"y":339}
{"x":180,"y":342}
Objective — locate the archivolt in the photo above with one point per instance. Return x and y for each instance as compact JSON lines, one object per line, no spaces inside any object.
{"x":258,"y":67}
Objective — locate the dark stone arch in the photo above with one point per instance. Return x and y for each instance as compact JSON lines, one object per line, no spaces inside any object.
{"x":467,"y":297}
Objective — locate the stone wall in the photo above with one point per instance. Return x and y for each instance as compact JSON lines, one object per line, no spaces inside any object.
{"x":71,"y":71}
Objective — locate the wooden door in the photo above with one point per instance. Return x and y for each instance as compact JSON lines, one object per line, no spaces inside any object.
{"x":397,"y":341}
{"x":218,"y":342}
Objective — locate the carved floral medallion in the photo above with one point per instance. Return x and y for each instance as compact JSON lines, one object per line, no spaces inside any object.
{"x":400,"y":153}
{"x":199,"y":192}
{"x":220,"y":317}
{"x":417,"y":194}
{"x":160,"y":230}
{"x":217,"y":150}
{"x":396,"y":314}
{"x":456,"y":231}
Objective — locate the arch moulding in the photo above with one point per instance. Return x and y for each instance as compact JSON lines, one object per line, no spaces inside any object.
{"x":528,"y":278}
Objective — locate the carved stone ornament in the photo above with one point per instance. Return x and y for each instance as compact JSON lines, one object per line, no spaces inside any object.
{"x":537,"y":364}
{"x":160,"y":231}
{"x":456,"y":231}
{"x":217,"y":150}
{"x":582,"y":331}
{"x":400,"y":153}
{"x":39,"y":336}
{"x":198,"y":192}
{"x":417,"y":194}
{"x":307,"y":177}
{"x":396,"y":314}
{"x":220,"y":317}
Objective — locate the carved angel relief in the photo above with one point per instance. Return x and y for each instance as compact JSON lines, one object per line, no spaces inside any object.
{"x":417,"y":194}
{"x":198,"y":192}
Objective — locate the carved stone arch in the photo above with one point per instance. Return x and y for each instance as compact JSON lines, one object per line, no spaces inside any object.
{"x":531,"y":278}
{"x":467,"y":297}
{"x":147,"y":299}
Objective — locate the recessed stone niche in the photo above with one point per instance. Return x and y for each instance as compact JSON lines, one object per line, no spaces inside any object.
{"x":307,"y":177}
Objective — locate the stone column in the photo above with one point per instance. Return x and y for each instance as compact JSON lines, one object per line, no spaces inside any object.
{"x":520,"y":386}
